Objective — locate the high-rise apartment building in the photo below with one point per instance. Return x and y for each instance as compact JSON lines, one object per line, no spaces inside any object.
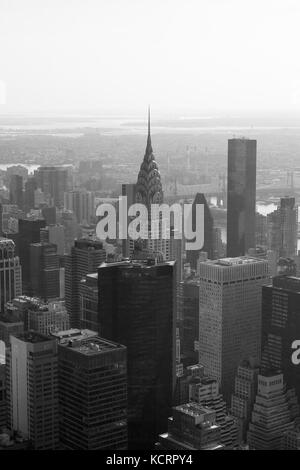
{"x":283,"y":228}
{"x":92,"y":391}
{"x":241,"y":196}
{"x":10,"y":272}
{"x":44,"y":271}
{"x":281,"y":327}
{"x":137,"y":308}
{"x":32,"y":389}
{"x":85,"y":257}
{"x":230,"y":315}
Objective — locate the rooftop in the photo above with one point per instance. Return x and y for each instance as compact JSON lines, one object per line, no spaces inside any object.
{"x":240,"y":260}
{"x":85,"y":342}
{"x":32,"y":337}
{"x":193,"y":409}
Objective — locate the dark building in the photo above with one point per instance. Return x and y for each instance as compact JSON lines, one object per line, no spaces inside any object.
{"x":16,"y":190}
{"x":53,"y":181}
{"x":92,"y":391}
{"x":3,"y":404}
{"x":137,"y":308}
{"x":241,"y":196}
{"x":208,"y":246}
{"x":190,"y":320}
{"x":30,"y":187}
{"x":85,"y":257}
{"x":44,"y":271}
{"x":29,"y":232}
{"x":280,"y":327}
{"x":49,"y":214}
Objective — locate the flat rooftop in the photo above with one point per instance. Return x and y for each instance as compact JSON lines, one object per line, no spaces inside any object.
{"x":33,"y":337}
{"x":240,"y":260}
{"x":193,"y":409}
{"x":85,"y":342}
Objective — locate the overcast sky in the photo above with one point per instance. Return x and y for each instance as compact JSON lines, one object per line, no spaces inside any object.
{"x":120,"y":55}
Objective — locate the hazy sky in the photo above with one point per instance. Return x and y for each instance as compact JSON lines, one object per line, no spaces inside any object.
{"x":175,"y":54}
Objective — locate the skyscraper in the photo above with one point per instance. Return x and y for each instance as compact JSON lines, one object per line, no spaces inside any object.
{"x":137,"y":308}
{"x":242,"y":399}
{"x":208,"y":246}
{"x":10,"y":272}
{"x":81,"y":202}
{"x":273,"y":413}
{"x":92,"y":391}
{"x":241,"y":196}
{"x":230,"y":315}
{"x":53,"y":181}
{"x":29,"y":232}
{"x":281,"y":327}
{"x":44,"y":271}
{"x":88,"y":292}
{"x":283,"y":228}
{"x":33,"y":389}
{"x":16,"y":190}
{"x":85,"y":257}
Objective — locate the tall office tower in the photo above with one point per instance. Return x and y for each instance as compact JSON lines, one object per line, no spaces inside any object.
{"x":47,"y":318}
{"x":261,"y":230}
{"x":30,"y":187}
{"x":92,"y":391}
{"x":137,"y":308}
{"x":205,"y":391}
{"x":208,"y":246}
{"x":54,"y":234}
{"x":53,"y":181}
{"x":3,"y":401}
{"x":282,"y":228}
{"x":86,"y":255}
{"x":190,"y":320}
{"x":71,"y":228}
{"x":81,"y":202}
{"x":242,"y":399}
{"x":128,"y":190}
{"x":191,"y":427}
{"x":10,"y":272}
{"x":29,"y":232}
{"x":49,"y":214}
{"x":230,"y":315}
{"x":272,"y":414}
{"x":241,"y":196}
{"x":16,"y":190}
{"x":280,"y":327}
{"x":219,"y":246}
{"x":44,"y":271}
{"x":88,"y":293}
{"x":33,"y":388}
{"x":1,"y":220}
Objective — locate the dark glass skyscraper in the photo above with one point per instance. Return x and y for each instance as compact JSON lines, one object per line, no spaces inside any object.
{"x":280,"y":327}
{"x":137,"y":309}
{"x":241,"y":196}
{"x":44,"y":271}
{"x":208,"y":246}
